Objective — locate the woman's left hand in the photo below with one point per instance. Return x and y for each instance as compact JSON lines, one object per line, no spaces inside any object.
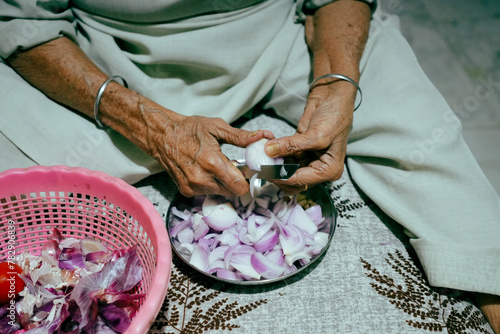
{"x":336,"y":34}
{"x":321,"y":139}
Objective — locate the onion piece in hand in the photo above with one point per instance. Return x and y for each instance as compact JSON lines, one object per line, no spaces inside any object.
{"x":255,"y":155}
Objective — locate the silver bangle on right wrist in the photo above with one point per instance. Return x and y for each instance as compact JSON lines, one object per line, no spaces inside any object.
{"x":99,"y":96}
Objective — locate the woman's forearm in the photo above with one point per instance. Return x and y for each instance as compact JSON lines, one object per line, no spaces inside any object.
{"x":188,"y":147}
{"x":61,"y":70}
{"x":336,"y":34}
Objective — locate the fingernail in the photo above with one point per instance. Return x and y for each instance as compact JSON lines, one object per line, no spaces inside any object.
{"x":272,"y":149}
{"x":254,"y":133}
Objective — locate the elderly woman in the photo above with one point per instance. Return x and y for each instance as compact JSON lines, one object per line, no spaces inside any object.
{"x":67,"y":66}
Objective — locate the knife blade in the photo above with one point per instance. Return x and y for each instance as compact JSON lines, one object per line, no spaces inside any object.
{"x":269,"y":172}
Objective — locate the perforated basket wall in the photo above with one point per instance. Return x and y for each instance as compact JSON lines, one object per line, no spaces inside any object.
{"x":83,"y":203}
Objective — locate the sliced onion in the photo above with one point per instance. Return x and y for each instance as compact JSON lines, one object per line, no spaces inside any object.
{"x":251,"y":228}
{"x":257,"y":233}
{"x":197,"y":220}
{"x":199,"y":257}
{"x":221,"y":217}
{"x":229,"y":238}
{"x":217,"y":254}
{"x":271,"y":191}
{"x":179,"y":226}
{"x":246,"y":199}
{"x":263,"y":201}
{"x":185,"y":249}
{"x":267,"y":242}
{"x":276,"y":257}
{"x":292,"y":240}
{"x":321,"y":239}
{"x":236,"y":250}
{"x":302,"y":255}
{"x":315,"y":213}
{"x":206,"y":243}
{"x":282,"y":209}
{"x":265,"y":267}
{"x":201,"y":231}
{"x":301,"y":219}
{"x":244,"y":238}
{"x":213,"y":266}
{"x":251,"y":206}
{"x":260,"y":219}
{"x":186,"y":236}
{"x":184,"y":215}
{"x":227,"y":274}
{"x":242,"y":263}
{"x":252,"y":184}
{"x":209,"y":204}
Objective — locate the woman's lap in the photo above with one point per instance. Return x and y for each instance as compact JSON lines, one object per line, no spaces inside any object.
{"x":406,"y":152}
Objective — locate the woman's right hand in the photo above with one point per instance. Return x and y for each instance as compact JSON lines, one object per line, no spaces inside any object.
{"x":189,"y":149}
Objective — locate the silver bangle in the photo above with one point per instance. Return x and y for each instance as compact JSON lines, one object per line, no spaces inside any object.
{"x":341,"y":77}
{"x":99,"y":96}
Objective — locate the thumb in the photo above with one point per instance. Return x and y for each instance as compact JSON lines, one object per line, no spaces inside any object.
{"x":287,"y":146}
{"x":242,"y":138}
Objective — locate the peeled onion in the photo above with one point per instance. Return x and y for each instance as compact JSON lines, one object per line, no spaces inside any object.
{"x":255,"y":155}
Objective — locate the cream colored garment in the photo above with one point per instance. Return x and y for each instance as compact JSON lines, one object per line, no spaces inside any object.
{"x":407,"y":153}
{"x":215,"y":65}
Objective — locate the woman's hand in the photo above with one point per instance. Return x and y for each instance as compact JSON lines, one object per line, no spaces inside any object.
{"x":321,"y":139}
{"x":336,"y":34}
{"x":189,"y":149}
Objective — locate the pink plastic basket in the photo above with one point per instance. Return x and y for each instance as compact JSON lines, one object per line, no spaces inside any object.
{"x":83,"y":203}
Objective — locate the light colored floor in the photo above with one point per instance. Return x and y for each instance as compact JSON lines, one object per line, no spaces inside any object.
{"x":458,"y":45}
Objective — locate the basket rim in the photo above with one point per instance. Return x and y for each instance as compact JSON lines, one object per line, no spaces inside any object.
{"x":145,"y":316}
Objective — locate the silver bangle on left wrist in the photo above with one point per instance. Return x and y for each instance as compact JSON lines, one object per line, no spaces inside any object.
{"x":341,"y":77}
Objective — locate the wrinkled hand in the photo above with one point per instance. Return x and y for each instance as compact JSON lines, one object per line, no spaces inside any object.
{"x":189,"y":149}
{"x":321,"y":139}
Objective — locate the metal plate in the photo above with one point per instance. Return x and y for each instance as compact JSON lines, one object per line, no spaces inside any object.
{"x":317,"y":193}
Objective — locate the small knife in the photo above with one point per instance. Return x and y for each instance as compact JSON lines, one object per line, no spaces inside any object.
{"x":269,"y":172}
